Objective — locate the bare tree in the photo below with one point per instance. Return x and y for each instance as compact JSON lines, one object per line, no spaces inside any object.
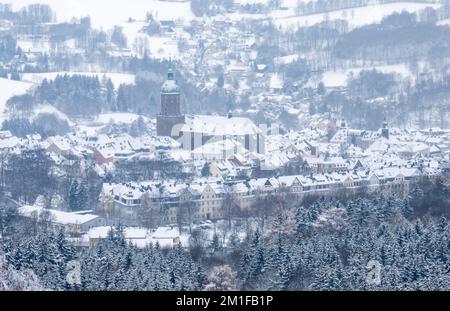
{"x":264,"y":207}
{"x":148,"y":213}
{"x":3,"y":162}
{"x":107,"y":204}
{"x":230,"y":207}
{"x":222,"y":278}
{"x":14,"y":280}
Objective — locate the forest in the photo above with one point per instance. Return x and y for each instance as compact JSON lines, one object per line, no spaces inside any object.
{"x":321,"y":244}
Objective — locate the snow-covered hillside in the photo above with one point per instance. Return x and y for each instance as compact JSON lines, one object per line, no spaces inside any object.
{"x":117,"y":118}
{"x":107,"y":13}
{"x":356,"y":16}
{"x":9,"y":88}
{"x":287,"y":17}
{"x":49,"y":109}
{"x":116,"y":78}
{"x":339,"y":78}
{"x":119,"y":11}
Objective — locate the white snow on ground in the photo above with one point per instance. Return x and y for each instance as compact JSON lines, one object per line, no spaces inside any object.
{"x":444,"y":22}
{"x":283,"y":60}
{"x":276,"y":81}
{"x":157,"y":47}
{"x":162,"y":47}
{"x":132,"y":31}
{"x":356,"y":17}
{"x":284,"y":3}
{"x":34,"y":46}
{"x":339,"y":78}
{"x":119,"y":11}
{"x":287,"y":18}
{"x":119,"y":117}
{"x":107,"y":13}
{"x":116,"y":78}
{"x":244,"y":2}
{"x":52,"y":110}
{"x":8,"y":89}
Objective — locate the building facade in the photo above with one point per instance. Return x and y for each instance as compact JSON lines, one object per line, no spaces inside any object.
{"x":209,"y":199}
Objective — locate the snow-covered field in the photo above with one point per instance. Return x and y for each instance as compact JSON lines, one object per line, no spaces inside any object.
{"x":36,"y":46}
{"x":284,"y":3}
{"x":119,"y":11}
{"x":356,"y":17}
{"x":163,"y":47}
{"x":107,"y":13}
{"x":288,"y":19}
{"x":339,"y":78}
{"x":9,"y":88}
{"x":157,"y":47}
{"x":116,"y":78}
{"x":52,"y":110}
{"x":444,"y":22}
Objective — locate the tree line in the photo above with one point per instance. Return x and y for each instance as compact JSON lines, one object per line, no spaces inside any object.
{"x":322,"y":245}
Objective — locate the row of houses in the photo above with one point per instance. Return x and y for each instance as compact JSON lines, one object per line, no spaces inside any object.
{"x":207,"y":197}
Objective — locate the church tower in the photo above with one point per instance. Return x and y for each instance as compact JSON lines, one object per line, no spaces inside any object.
{"x":385,"y":129}
{"x":170,"y":107}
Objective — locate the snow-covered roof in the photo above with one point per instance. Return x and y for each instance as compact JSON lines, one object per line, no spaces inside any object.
{"x":276,"y":82}
{"x":9,"y":142}
{"x":220,"y":126}
{"x":62,"y":143}
{"x":60,"y":217}
{"x":170,"y":87}
{"x":166,"y":233}
{"x":218,"y":147}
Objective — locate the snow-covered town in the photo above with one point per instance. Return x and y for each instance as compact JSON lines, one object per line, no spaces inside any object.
{"x":234,"y":136}
{"x":309,"y":161}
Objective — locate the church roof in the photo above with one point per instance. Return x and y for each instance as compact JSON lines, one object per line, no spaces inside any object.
{"x":218,"y":125}
{"x":169,"y":87}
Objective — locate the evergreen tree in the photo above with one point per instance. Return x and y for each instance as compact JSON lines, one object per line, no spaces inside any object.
{"x":110,"y":95}
{"x":206,"y":170}
{"x":215,"y":244}
{"x":74,"y":203}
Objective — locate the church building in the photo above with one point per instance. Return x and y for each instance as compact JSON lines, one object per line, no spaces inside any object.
{"x":203,"y":134}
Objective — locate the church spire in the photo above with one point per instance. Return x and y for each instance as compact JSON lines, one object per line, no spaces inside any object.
{"x":170,"y":71}
{"x":170,"y":86}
